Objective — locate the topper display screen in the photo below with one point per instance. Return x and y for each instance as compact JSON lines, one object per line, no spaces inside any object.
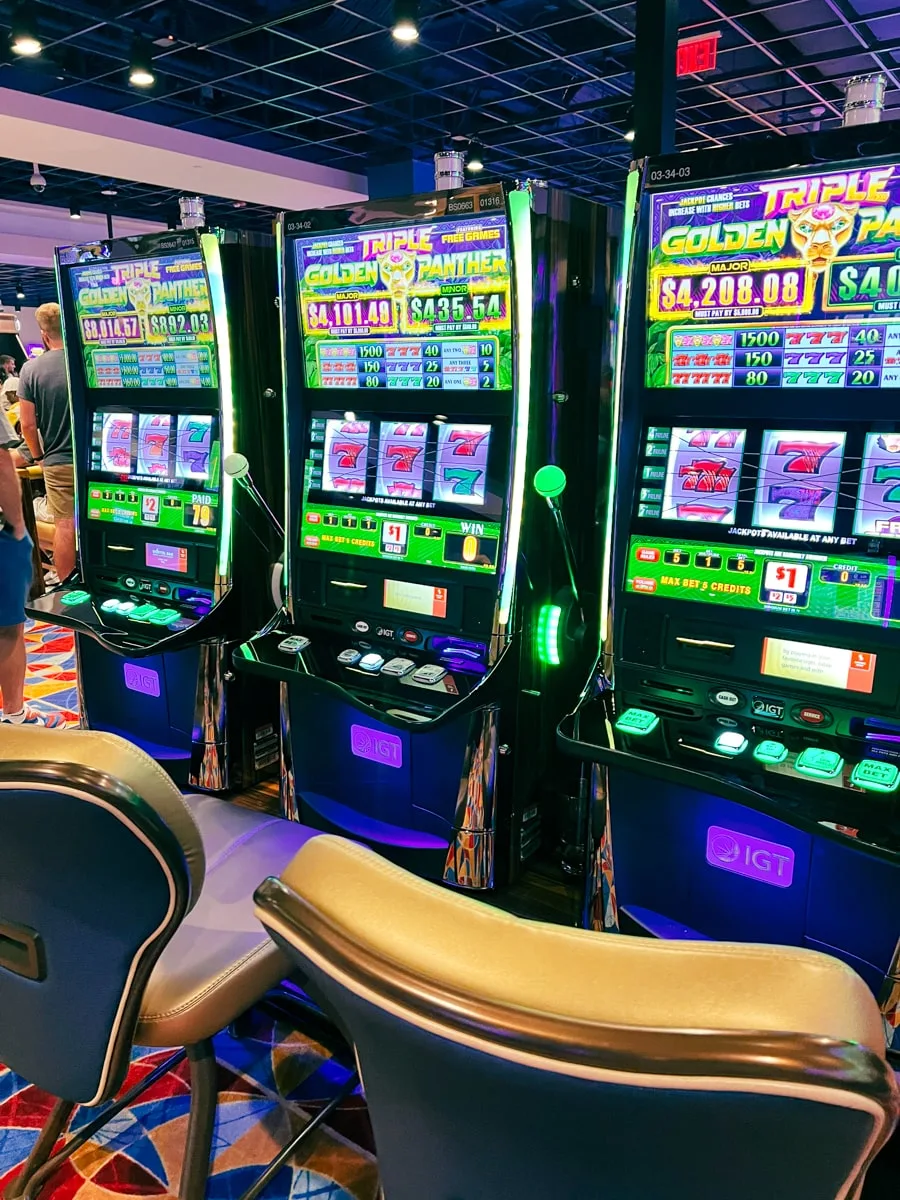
{"x":422,"y":306}
{"x":421,"y":491}
{"x":782,"y":283}
{"x":157,"y":469}
{"x":145,"y":323}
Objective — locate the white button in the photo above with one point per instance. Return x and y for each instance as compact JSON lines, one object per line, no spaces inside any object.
{"x":398,"y":666}
{"x":371,"y":662}
{"x":349,"y":657}
{"x":293,"y":644}
{"x":429,"y":674}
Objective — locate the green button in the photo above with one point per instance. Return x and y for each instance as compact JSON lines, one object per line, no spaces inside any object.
{"x":875,"y":776}
{"x":76,"y":597}
{"x":110,"y":605}
{"x":163,"y":616}
{"x":770,"y":752}
{"x":731,"y":742}
{"x":143,"y":612}
{"x":820,"y":764}
{"x":638,"y":721}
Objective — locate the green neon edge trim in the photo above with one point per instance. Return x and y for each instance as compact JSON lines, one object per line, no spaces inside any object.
{"x":523,"y":263}
{"x":549,"y":619}
{"x":209,"y":248}
{"x":621,"y":294}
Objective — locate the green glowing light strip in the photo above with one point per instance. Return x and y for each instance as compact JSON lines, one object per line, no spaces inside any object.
{"x":622,"y":293}
{"x":520,"y":217}
{"x":280,"y":251}
{"x":209,"y":247}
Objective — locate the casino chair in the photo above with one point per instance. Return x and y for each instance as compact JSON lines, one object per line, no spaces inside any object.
{"x":126,"y":917}
{"x":505,"y":1059}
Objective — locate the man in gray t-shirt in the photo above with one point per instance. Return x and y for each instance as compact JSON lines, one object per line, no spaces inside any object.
{"x":47,"y":429}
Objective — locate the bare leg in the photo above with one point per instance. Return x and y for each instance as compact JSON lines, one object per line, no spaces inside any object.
{"x":64,"y":547}
{"x":12,"y":667}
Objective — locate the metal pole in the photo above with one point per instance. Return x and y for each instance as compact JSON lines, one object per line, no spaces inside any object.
{"x":655,"y":52}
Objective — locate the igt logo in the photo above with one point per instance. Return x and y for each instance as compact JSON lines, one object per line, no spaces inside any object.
{"x":376,"y":746}
{"x":752,"y":857}
{"x":141,"y":679}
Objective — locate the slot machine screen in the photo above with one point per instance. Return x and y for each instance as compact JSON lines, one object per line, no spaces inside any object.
{"x":425,"y":307}
{"x":782,"y":283}
{"x":157,"y":470}
{"x":145,"y":323}
{"x":793,"y":521}
{"x":399,"y":489}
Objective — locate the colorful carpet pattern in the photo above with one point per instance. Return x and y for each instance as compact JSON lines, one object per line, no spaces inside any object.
{"x":271,"y":1082}
{"x":50,"y":670}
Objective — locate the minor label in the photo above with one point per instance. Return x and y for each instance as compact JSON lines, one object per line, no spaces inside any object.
{"x":376,"y":745}
{"x":141,"y":679}
{"x":752,"y":857}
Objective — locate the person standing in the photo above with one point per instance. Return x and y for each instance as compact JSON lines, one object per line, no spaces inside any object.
{"x":9,"y":382}
{"x":15,"y":582}
{"x":46,"y":424}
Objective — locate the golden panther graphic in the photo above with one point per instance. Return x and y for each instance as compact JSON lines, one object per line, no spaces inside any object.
{"x":820,"y":230}
{"x":398,"y":273}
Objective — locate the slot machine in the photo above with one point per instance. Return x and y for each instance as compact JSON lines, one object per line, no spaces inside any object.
{"x":172,"y":353}
{"x":746,"y":715}
{"x":440,"y":349}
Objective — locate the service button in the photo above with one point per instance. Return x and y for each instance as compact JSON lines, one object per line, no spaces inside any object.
{"x":808,"y":714}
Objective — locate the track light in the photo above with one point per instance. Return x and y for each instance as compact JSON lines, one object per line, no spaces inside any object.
{"x":475,"y":159}
{"x":406,"y":21}
{"x":75,"y":212}
{"x":23,"y":34}
{"x":20,"y":292}
{"x":628,"y":135}
{"x":140,"y":71}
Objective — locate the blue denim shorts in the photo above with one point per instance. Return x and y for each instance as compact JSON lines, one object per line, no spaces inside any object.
{"x":16,"y":571}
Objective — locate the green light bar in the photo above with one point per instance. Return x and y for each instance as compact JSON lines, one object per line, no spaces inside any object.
{"x":520,"y":217}
{"x":209,"y":246}
{"x":549,"y":620}
{"x":621,"y":293}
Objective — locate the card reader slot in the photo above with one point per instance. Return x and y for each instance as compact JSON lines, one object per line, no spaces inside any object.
{"x":707,"y":645}
{"x":671,"y":688}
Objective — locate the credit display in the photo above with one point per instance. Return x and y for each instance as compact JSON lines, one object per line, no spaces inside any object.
{"x":146,"y":323}
{"x":778,"y":283}
{"x":422,"y":306}
{"x":841,"y":587}
{"x":412,"y":490}
{"x":155,"y":470}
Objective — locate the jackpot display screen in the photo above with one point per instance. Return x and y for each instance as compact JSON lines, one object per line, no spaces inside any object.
{"x":417,"y":306}
{"x":420,"y":491}
{"x":785,"y":283}
{"x":155,"y":469}
{"x":781,"y":520}
{"x":145,"y":323}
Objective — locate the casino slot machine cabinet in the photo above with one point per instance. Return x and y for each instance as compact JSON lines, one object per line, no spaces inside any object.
{"x":746,"y":715}
{"x":173,"y":358}
{"x":440,"y":349}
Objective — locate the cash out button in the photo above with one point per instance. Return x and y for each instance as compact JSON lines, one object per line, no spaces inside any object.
{"x":819,"y":764}
{"x":874,"y":776}
{"x":637,"y":721}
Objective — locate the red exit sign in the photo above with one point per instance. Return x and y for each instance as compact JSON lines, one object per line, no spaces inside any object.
{"x":697,"y":54}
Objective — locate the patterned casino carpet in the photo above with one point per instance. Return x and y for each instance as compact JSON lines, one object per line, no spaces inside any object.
{"x":271,"y":1082}
{"x":50,"y":677}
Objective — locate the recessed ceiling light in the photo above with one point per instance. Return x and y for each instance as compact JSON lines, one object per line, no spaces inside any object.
{"x":475,"y":159}
{"x":75,"y":212}
{"x":23,"y":35}
{"x":406,"y":21}
{"x":109,"y":191}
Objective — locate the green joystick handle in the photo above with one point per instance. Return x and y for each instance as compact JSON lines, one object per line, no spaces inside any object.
{"x":550,"y":481}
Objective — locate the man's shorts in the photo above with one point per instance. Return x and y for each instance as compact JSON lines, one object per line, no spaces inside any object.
{"x":16,"y":571}
{"x":60,"y":484}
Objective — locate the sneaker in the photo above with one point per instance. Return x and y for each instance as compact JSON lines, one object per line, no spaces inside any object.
{"x":30,"y":716}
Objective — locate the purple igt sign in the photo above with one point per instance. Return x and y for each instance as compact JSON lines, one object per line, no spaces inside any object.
{"x":462,"y":461}
{"x":346,"y":456}
{"x":799,"y":480}
{"x":703,"y":475}
{"x":752,"y":857}
{"x":878,"y":500}
{"x":401,"y":459}
{"x":376,"y":745}
{"x":193,"y":447}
